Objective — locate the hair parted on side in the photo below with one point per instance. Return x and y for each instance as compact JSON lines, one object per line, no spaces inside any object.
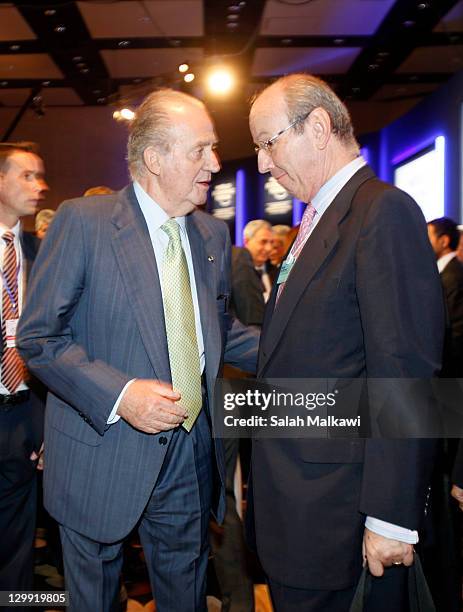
{"x":303,"y":93}
{"x":152,"y":126}
{"x":7,"y":149}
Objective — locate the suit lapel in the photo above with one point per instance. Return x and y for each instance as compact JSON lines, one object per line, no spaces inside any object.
{"x":135,"y":257}
{"x":316,"y":250}
{"x":202,"y":249}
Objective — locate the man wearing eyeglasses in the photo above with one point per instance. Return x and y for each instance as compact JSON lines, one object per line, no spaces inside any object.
{"x":348,"y":304}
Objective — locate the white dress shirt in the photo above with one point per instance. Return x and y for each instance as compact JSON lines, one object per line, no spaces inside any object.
{"x":155,"y":217}
{"x":444,"y":260}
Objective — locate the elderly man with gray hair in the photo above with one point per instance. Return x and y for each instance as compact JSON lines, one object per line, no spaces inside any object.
{"x":127,"y":324}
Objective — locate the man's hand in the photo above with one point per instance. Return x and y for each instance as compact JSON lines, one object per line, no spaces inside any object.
{"x":38,"y":457}
{"x":457,"y":493}
{"x":380,"y":552}
{"x":150,"y":406}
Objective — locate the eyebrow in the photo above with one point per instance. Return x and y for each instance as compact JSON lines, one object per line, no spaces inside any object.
{"x":206,"y":143}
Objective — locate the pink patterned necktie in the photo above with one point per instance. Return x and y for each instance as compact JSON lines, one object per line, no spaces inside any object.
{"x":13,"y":370}
{"x":301,"y":238}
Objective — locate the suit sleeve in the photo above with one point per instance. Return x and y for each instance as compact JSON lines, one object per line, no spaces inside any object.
{"x":402,"y":315}
{"x":247,"y":298}
{"x":45,"y":336}
{"x":241,"y":343}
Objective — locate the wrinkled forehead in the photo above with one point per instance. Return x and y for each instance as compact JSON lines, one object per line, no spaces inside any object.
{"x":193,"y":123}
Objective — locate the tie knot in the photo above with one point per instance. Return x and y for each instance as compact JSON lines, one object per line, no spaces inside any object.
{"x":309,"y":213}
{"x":8,"y":237}
{"x":172,"y":229}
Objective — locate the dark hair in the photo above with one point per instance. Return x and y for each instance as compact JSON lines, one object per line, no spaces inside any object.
{"x":446,"y":227}
{"x":7,"y":149}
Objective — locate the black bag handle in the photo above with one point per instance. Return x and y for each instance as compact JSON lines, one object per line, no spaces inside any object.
{"x":419,"y":595}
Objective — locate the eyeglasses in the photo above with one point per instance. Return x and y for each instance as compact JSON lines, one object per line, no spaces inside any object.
{"x":268,"y":144}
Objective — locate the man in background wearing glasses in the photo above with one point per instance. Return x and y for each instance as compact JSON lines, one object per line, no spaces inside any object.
{"x":353,"y":297}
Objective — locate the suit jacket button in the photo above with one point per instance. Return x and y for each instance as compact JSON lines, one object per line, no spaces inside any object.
{"x":163,"y":440}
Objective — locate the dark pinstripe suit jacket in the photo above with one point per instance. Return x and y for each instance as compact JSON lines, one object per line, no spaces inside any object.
{"x":94,"y":320}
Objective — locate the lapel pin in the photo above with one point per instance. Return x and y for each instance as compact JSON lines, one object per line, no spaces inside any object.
{"x":210,"y":258}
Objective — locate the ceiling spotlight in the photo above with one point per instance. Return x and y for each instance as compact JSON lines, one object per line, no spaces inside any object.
{"x":339,"y":41}
{"x":220,"y":81}
{"x":231,"y":25}
{"x":127,"y":114}
{"x":84,"y":70}
{"x":422,"y":5}
{"x":183,"y":67}
{"x":49,"y":12}
{"x":408,"y":24}
{"x":46,"y":83}
{"x":15,"y":47}
{"x":4,"y":83}
{"x":189,"y":77}
{"x":60,"y":29}
{"x":286,"y":41}
{"x":233,"y":17}
{"x":101,"y":100}
{"x":123,"y":43}
{"x":77,"y":58}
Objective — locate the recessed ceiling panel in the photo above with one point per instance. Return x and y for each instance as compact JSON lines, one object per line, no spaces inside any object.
{"x":324,"y":17}
{"x":452,"y":21}
{"x":404,"y":91}
{"x":316,"y":60}
{"x":434,"y":59}
{"x":28,"y":66}
{"x":140,"y":19}
{"x":13,"y":26}
{"x":147,"y":62}
{"x":13,"y":97}
{"x":60,"y":96}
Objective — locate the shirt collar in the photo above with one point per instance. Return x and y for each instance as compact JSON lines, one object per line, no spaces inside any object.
{"x":333,"y":186}
{"x":155,"y":215}
{"x":15,"y":229}
{"x":444,"y":260}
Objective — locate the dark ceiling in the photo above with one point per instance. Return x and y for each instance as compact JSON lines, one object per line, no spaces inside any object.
{"x":378,"y":54}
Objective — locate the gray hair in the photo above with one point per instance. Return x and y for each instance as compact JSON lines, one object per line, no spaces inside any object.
{"x":303,"y":93}
{"x":152,"y":126}
{"x":253,"y":227}
{"x":43,"y":216}
{"x":281,"y":230}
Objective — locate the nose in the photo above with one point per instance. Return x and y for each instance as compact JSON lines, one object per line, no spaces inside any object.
{"x":41,"y":185}
{"x":264,"y":161}
{"x":214,"y":162}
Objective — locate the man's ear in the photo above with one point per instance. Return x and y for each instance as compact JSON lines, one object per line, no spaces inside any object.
{"x":151,"y":159}
{"x":320,"y":126}
{"x":445,"y":241}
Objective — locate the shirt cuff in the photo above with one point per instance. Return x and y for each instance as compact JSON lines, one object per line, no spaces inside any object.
{"x":113,"y":417}
{"x":393,"y":532}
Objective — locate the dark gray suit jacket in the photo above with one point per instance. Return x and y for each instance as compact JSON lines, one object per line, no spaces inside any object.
{"x":93,"y":321}
{"x":362,"y":301}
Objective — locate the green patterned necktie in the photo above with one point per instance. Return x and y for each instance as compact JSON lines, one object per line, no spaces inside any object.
{"x":180,"y":325}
